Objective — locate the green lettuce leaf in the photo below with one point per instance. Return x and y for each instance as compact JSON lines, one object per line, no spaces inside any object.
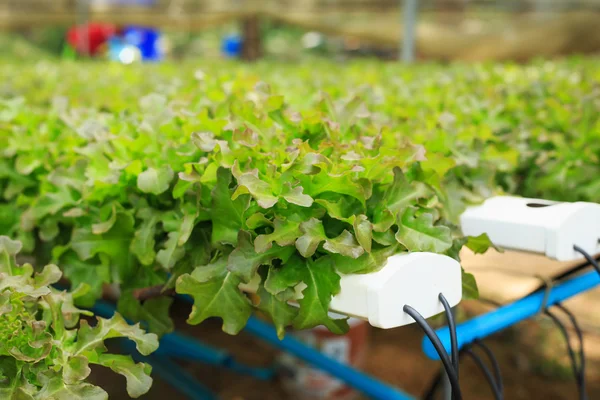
{"x":216,"y":294}
{"x":418,"y":233}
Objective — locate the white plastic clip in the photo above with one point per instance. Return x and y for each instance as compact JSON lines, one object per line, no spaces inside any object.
{"x":540,"y":226}
{"x":416,"y":279}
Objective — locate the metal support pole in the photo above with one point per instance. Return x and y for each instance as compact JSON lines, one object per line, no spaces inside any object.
{"x":82,"y":21}
{"x":409,"y":17}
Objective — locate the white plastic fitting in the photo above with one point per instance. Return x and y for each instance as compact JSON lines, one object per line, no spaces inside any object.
{"x":535,"y":225}
{"x":415,"y":279}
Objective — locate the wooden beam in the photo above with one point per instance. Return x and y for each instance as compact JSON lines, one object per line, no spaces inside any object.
{"x":251,"y":36}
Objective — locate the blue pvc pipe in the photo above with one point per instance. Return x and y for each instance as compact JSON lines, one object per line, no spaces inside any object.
{"x":373,"y":388}
{"x":103,"y":309}
{"x":370,"y":386}
{"x":177,"y":377}
{"x":510,"y":314}
{"x":187,"y":348}
{"x":362,"y":382}
{"x":174,"y":344}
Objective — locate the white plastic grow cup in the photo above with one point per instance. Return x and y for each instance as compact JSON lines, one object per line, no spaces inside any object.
{"x":415,"y":279}
{"x":535,"y":225}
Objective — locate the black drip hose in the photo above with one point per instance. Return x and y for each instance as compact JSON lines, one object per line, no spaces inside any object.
{"x":432,"y":388}
{"x":452,"y":328}
{"x":577,"y":367}
{"x":588,"y":257}
{"x":573,"y":270}
{"x":495,"y":379}
{"x":492,"y":359}
{"x":488,"y":375}
{"x":439,"y":347}
{"x":583,"y":394}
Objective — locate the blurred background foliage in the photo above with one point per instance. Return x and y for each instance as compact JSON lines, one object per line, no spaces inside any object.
{"x":469,"y":30}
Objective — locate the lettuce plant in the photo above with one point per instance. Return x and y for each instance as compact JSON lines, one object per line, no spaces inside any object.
{"x":47,"y":348}
{"x":225,"y":196}
{"x":204,"y":182}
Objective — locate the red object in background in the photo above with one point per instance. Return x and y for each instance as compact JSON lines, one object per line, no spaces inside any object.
{"x":88,"y":39}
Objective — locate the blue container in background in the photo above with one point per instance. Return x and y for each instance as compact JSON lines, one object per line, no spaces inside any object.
{"x":232,"y":46}
{"x":147,"y":40}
